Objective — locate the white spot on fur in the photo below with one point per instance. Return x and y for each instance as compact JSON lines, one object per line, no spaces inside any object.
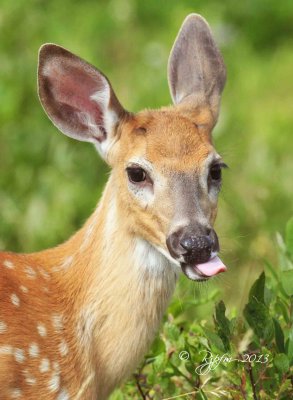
{"x":63,"y":395}
{"x":29,"y":378}
{"x":15,"y":300}
{"x":3,"y":327}
{"x":24,"y":289}
{"x":63,"y":348}
{"x":19,"y":355}
{"x":45,"y":274}
{"x":56,"y":366}
{"x":8,"y":264}
{"x":54,"y":382}
{"x":6,"y":350}
{"x":30,"y":272}
{"x":15,"y":393}
{"x":57,"y":321}
{"x":34,"y":350}
{"x":45,"y":365}
{"x":42,"y":330}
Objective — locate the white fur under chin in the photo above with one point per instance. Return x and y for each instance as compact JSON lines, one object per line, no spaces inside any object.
{"x":154,"y":260}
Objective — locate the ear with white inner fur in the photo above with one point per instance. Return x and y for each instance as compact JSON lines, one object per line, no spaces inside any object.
{"x":77,"y":97}
{"x":196,"y":71}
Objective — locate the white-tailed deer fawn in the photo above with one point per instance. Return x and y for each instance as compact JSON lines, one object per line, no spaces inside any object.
{"x":75,"y":320}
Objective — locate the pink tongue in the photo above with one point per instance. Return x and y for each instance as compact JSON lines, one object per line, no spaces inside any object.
{"x":212,"y":267}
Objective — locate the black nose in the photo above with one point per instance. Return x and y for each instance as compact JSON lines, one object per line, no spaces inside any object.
{"x":193,"y":247}
{"x":198,"y":249}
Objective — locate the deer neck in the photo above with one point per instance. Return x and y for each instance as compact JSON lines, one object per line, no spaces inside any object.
{"x":120,"y":286}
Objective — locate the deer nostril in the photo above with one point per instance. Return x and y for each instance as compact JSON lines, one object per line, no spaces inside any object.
{"x":187,"y":244}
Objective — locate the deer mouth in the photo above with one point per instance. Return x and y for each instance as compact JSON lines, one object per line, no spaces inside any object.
{"x":204,"y":271}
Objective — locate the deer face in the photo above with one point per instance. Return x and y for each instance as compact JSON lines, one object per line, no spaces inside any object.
{"x":167,"y":172}
{"x":169,"y":178}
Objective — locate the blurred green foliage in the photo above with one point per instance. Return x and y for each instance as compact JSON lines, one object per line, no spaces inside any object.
{"x":49,"y":183}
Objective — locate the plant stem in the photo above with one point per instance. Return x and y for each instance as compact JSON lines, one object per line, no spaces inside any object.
{"x":252,"y":381}
{"x":136,"y":377}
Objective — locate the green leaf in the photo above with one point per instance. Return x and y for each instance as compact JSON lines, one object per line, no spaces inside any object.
{"x":284,"y":388}
{"x":282,"y":309}
{"x":214,"y":340}
{"x":158,"y":346}
{"x":287,"y":281}
{"x":233,"y":324}
{"x":289,"y":350}
{"x":281,"y":362}
{"x":221,"y":319}
{"x":279,"y":336}
{"x":172,"y":331}
{"x":117,"y":395}
{"x":289,"y":345}
{"x":223,"y":325}
{"x":257,"y":315}
{"x":268,"y":296}
{"x":281,"y":242}
{"x":289,"y":236}
{"x":273,"y":271}
{"x":175,"y":308}
{"x":257,"y":289}
{"x":175,"y":360}
{"x":190,"y":367}
{"x":159,"y":362}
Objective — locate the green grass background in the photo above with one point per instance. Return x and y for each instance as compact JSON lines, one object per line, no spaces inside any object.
{"x":49,"y":183}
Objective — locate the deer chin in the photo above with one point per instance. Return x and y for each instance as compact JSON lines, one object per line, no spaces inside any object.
{"x":202,"y":272}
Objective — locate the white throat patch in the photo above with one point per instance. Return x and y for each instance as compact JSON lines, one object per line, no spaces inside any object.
{"x":152,"y":260}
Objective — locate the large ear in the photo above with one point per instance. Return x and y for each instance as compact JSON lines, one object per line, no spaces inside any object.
{"x":196,"y":71}
{"x":77,"y":97}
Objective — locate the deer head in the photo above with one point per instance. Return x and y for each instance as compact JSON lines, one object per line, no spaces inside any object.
{"x":166,"y":173}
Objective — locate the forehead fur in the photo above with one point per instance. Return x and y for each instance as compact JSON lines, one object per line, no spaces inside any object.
{"x":168,"y":138}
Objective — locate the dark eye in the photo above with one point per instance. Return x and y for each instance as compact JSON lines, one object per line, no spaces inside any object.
{"x":136,"y":174}
{"x":216,"y":173}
